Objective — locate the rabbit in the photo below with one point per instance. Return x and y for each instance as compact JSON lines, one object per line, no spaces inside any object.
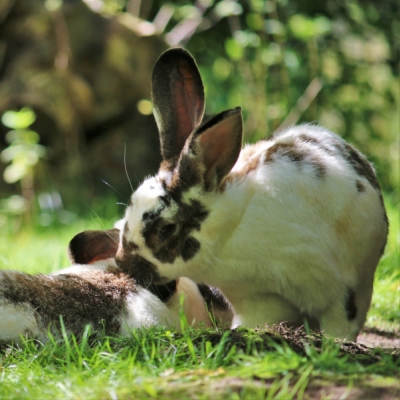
{"x":93,"y":292}
{"x":288,"y":228}
{"x":203,"y":304}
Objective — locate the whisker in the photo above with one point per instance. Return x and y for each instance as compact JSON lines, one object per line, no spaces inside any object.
{"x":150,"y":283}
{"x":99,"y":220}
{"x":126,"y":170}
{"x":122,"y":204}
{"x":113,"y":188}
{"x":111,"y":236}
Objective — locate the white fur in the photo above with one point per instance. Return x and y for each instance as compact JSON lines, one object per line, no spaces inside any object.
{"x":17,"y":320}
{"x":193,"y":303}
{"x":78,"y":269}
{"x":145,"y":310}
{"x":280,"y":243}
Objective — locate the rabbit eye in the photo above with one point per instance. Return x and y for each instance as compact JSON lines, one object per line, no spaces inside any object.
{"x":166,"y":231}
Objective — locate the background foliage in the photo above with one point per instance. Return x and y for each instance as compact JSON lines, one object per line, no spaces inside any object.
{"x":282,"y":61}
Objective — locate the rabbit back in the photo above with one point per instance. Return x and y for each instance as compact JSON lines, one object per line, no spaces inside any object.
{"x":312,"y":223}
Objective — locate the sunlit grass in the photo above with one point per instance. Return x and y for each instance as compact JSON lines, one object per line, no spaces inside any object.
{"x":385,"y":308}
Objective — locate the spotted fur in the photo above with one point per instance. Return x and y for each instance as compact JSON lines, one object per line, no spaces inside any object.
{"x":282,"y":227}
{"x":169,"y":239}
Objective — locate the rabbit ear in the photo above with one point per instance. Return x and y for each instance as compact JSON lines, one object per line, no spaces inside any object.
{"x":90,"y":246}
{"x":178,"y":99}
{"x":213,"y":149}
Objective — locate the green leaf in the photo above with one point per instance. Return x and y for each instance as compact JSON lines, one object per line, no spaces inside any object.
{"x":234,"y":50}
{"x":22,"y":135}
{"x":226,"y":8}
{"x":14,"y":172}
{"x":18,"y":119}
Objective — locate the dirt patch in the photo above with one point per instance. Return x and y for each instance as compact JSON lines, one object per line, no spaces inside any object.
{"x":280,"y":387}
{"x":371,"y":342}
{"x":373,"y":337}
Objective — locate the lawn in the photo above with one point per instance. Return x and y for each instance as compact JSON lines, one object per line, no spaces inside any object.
{"x":272,"y":362}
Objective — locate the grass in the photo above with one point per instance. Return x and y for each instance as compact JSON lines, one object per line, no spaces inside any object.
{"x":199,"y":363}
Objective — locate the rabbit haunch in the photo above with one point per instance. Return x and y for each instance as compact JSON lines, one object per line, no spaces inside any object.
{"x":290,"y":227}
{"x":108,"y":300}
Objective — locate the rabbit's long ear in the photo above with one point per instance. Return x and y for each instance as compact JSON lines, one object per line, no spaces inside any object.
{"x":178,"y":99}
{"x":213,"y":150}
{"x":90,"y":246}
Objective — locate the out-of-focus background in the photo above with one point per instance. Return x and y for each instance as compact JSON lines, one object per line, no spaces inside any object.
{"x":75,"y":77}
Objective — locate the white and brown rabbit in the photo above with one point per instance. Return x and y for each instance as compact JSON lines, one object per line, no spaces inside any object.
{"x":95,"y":292}
{"x":287,"y":228}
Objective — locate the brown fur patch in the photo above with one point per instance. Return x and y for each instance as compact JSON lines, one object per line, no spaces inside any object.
{"x":341,"y":226}
{"x":363,"y":168}
{"x":94,"y":297}
{"x":145,"y":274}
{"x":251,"y":165}
{"x":319,"y":166}
{"x":308,"y":139}
{"x":296,"y":155}
{"x":359,"y":163}
{"x":178,"y":242}
{"x":128,"y":246}
{"x":286,"y":150}
{"x":360,"y":186}
{"x":216,"y":303}
{"x":167,"y":166}
{"x":315,"y":142}
{"x":137,"y":267}
{"x":186,"y":176}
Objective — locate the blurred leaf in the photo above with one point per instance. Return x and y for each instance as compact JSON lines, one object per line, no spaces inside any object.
{"x":145,"y":107}
{"x":222,"y":68}
{"x":18,"y":119}
{"x":53,"y":5}
{"x":14,"y":204}
{"x":271,"y":55}
{"x":234,"y":49}
{"x":255,"y":21}
{"x":305,"y":28}
{"x":247,"y":38}
{"x":274,"y":27}
{"x":14,"y":172}
{"x":22,"y":151}
{"x":226,"y":8}
{"x":22,"y":135}
{"x":188,"y":11}
{"x":291,"y":59}
{"x":355,"y":11}
{"x":322,"y":26}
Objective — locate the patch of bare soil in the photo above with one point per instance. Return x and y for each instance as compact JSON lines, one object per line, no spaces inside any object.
{"x":316,"y":389}
{"x":373,"y":337}
{"x":370,"y":343}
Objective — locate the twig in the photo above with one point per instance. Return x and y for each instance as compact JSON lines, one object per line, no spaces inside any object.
{"x":302,"y":104}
